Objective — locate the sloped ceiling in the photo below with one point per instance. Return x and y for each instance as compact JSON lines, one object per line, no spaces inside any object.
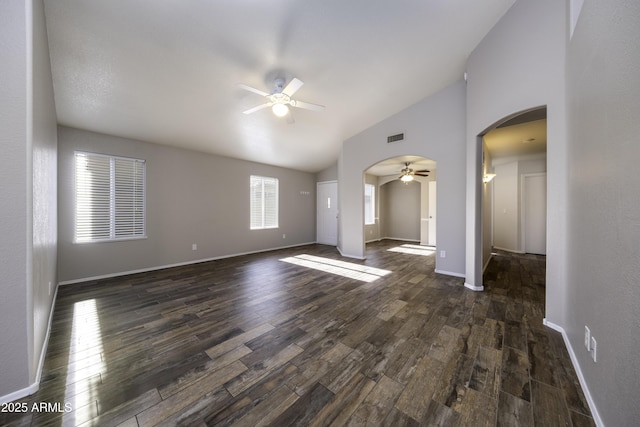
{"x":165,"y":71}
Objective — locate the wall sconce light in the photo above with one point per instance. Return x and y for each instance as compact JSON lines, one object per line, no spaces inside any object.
{"x":488,"y":177}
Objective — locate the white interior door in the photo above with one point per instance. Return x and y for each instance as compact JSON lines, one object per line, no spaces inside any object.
{"x":432,"y":214}
{"x":327,"y":220}
{"x":535,"y":213}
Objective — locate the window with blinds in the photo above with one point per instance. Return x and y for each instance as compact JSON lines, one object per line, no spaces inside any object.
{"x":264,"y":202}
{"x":369,"y":204}
{"x":110,"y":198}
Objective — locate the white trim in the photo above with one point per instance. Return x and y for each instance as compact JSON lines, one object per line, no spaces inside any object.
{"x":486,"y":264}
{"x":349,"y":256}
{"x":401,"y":239}
{"x":473,"y":287}
{"x":45,"y":344}
{"x":449,"y":273}
{"x":576,"y":367}
{"x":508,"y":250}
{"x":19,"y":394}
{"x":179,"y":264}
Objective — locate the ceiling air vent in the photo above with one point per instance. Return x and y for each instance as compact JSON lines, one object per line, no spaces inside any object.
{"x":395,"y":138}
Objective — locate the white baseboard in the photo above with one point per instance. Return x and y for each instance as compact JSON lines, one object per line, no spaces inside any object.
{"x":449,"y":273}
{"x":19,"y":394}
{"x":576,"y":367}
{"x":350,"y":256}
{"x":473,"y":287}
{"x":513,"y":251}
{"x":400,"y":239}
{"x":486,"y":264}
{"x":179,"y":264}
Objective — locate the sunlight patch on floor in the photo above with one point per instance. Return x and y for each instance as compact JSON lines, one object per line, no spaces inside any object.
{"x":86,"y":367}
{"x":341,"y":268}
{"x":414,"y":249}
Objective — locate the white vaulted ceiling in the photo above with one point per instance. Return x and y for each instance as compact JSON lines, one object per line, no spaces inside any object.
{"x":165,"y":71}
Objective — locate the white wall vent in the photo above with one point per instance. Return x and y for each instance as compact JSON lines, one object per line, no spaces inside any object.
{"x":395,"y":138}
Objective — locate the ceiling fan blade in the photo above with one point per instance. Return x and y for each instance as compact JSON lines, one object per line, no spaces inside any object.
{"x":259,"y":107}
{"x":421,"y":174}
{"x":292,"y":87}
{"x":252,"y":89}
{"x":307,"y":105}
{"x":423,"y":171}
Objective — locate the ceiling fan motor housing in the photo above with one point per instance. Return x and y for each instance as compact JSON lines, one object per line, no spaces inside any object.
{"x":279,"y":86}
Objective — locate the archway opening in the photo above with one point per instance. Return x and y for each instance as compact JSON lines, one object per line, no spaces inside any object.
{"x":513,"y":203}
{"x":400,"y":201}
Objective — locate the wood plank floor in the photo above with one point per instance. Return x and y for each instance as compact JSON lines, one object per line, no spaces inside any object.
{"x":304,"y":337}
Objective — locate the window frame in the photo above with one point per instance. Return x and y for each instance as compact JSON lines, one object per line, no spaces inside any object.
{"x":263,"y":203}
{"x":370,"y":219}
{"x":133,"y":189}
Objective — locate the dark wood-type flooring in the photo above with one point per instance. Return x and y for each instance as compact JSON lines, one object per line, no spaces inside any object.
{"x":254,"y":340}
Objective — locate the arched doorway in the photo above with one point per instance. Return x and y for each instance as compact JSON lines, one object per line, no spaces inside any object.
{"x":513,"y":203}
{"x":402,"y":209}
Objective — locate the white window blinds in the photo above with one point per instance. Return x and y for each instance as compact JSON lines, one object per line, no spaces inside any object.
{"x":369,"y":204}
{"x":110,"y":198}
{"x":264,"y":202}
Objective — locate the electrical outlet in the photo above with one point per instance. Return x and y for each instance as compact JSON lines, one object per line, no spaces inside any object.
{"x":587,"y":338}
{"x":284,"y":236}
{"x":194,"y":247}
{"x":594,"y":348}
{"x":443,"y":254}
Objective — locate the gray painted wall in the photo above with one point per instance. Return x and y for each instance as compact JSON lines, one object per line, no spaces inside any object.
{"x":14,"y":191}
{"x":506,"y":213}
{"x":28,"y":211}
{"x":434,"y":129}
{"x":400,"y":210}
{"x":603,"y":268}
{"x":45,"y":193}
{"x":487,"y":209}
{"x":508,"y":225}
{"x":328,"y":174}
{"x":502,"y":82}
{"x":191,"y":198}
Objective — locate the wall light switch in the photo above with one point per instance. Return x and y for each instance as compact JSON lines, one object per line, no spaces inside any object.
{"x":194,"y":247}
{"x":443,"y":254}
{"x":594,"y":348}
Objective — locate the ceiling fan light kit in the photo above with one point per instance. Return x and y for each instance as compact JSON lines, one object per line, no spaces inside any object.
{"x":407,"y":174}
{"x":280,"y":98}
{"x":280,"y":110}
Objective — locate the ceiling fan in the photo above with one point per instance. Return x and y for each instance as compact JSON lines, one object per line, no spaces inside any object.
{"x":407,"y":174}
{"x":280,"y":98}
